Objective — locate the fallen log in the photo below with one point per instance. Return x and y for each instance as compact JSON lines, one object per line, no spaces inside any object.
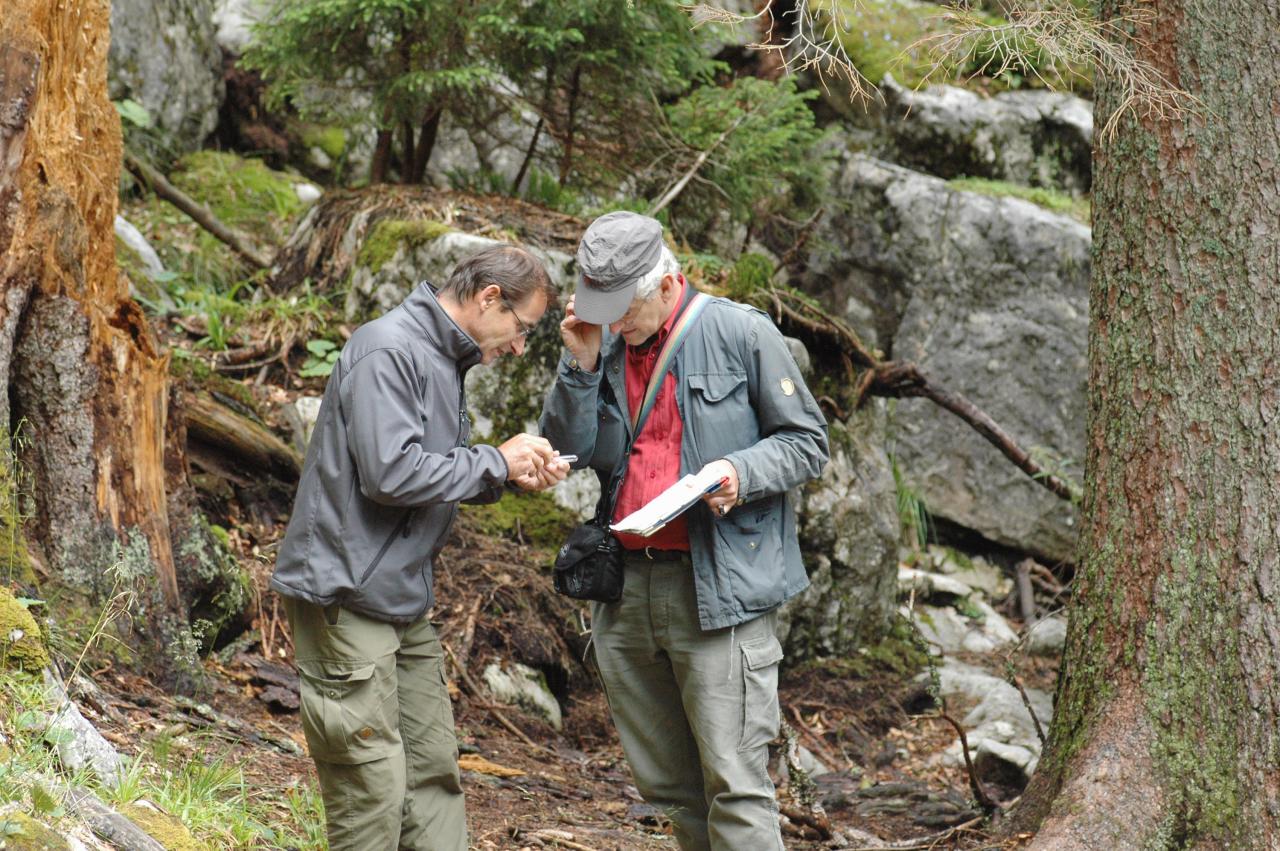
{"x":246,"y":445}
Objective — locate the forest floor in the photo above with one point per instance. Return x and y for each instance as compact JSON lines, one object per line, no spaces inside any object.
{"x":529,"y":786}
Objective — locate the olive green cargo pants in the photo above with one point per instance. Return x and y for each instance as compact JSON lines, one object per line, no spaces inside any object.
{"x":695,"y":710}
{"x":376,"y":714}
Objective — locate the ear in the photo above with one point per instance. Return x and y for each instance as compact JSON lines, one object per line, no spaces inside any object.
{"x":669,"y":284}
{"x":489,"y":296}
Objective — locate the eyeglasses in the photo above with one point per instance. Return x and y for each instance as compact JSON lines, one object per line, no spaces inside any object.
{"x":525,"y":329}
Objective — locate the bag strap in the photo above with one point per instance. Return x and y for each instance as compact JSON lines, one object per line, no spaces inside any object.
{"x":679,"y":333}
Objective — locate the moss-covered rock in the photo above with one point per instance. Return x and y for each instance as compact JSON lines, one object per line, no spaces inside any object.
{"x":1057,"y":202}
{"x":163,"y":828}
{"x":21,"y":647}
{"x":391,"y":236}
{"x":331,"y":140}
{"x":242,"y":192}
{"x":20,"y":832}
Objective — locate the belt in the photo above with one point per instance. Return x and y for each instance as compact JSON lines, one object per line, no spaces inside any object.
{"x":650,"y":554}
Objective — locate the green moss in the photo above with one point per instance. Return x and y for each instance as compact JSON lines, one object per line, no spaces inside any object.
{"x":388,"y":235}
{"x":21,"y":647}
{"x":331,"y":140}
{"x":898,"y":653}
{"x":1057,"y":202}
{"x":535,"y":517}
{"x":20,"y":832}
{"x":165,"y":829}
{"x":242,"y":192}
{"x":225,"y":587}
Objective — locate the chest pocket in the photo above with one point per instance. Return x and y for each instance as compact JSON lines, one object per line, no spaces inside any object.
{"x":720,"y":413}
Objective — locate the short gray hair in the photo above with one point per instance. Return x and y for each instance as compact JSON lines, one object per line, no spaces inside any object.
{"x":516,"y":271}
{"x":666,"y":265}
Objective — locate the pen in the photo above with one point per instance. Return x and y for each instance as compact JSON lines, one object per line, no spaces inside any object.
{"x":567,"y":458}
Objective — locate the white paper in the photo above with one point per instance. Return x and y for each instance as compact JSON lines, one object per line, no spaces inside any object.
{"x":667,"y":505}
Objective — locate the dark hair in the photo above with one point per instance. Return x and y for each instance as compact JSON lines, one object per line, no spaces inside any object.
{"x":516,"y":272}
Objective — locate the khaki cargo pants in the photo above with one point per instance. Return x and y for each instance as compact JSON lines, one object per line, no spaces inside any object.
{"x":695,"y":710}
{"x":379,"y":726}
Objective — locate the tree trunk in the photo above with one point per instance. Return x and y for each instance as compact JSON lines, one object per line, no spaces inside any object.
{"x":426,"y":144}
{"x":566,"y":159}
{"x":381,"y":158}
{"x":79,"y":367}
{"x":1167,"y":726}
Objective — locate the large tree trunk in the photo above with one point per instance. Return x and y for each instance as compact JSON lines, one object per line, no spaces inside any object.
{"x":79,"y":366}
{"x":1167,"y":728}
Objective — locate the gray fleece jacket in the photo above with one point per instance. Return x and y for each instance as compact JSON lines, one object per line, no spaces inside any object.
{"x":387,"y":466}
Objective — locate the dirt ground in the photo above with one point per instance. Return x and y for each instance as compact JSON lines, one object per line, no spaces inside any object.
{"x":528,"y":786}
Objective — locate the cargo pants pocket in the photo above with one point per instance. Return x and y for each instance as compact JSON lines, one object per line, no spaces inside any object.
{"x":349,"y":710}
{"x":760,"y":713}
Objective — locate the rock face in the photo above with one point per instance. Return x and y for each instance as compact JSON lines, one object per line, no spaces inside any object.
{"x":849,"y":534}
{"x":522,"y":686}
{"x":165,"y":56}
{"x":1036,"y":138}
{"x":990,"y":297}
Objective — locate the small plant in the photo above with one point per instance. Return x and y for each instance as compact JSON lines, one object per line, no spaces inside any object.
{"x":912,"y":513}
{"x":323,"y":354}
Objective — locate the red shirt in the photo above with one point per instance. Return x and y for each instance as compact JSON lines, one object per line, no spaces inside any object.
{"x":655,"y":455}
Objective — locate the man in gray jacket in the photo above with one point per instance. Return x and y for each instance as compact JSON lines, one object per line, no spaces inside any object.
{"x":386,"y":468}
{"x":689,"y":657}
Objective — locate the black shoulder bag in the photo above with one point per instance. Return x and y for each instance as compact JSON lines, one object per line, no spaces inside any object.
{"x":589,"y":565}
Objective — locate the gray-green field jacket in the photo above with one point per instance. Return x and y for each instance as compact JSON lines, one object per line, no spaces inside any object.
{"x":387,"y":466}
{"x":740,"y":397}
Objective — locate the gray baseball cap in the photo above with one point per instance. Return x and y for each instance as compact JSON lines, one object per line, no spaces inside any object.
{"x":617,"y":250}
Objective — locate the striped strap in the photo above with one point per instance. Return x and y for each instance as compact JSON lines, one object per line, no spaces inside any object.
{"x":674,"y":340}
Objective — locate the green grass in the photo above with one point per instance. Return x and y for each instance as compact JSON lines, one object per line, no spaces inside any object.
{"x":194,"y":778}
{"x":1057,"y":202}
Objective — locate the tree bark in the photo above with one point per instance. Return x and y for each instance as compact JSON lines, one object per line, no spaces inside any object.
{"x":426,"y":144}
{"x":381,"y":161}
{"x":566,"y":158}
{"x":79,"y":366}
{"x":1167,"y":726}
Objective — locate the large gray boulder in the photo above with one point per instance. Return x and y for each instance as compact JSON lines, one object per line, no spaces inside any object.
{"x":165,"y":56}
{"x":989,"y":296}
{"x":849,"y":533}
{"x":1037,"y":138}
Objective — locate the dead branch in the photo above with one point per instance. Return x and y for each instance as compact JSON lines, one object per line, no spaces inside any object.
{"x":979,"y":791}
{"x":200,"y":214}
{"x":1026,"y":701}
{"x":901,"y":380}
{"x":475,"y":692}
{"x":115,"y":828}
{"x":674,"y":192}
{"x":248,"y":444}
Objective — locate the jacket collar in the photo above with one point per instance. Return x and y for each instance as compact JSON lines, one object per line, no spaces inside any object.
{"x":424,"y":308}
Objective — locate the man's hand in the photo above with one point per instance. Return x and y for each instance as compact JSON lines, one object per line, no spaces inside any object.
{"x":722,"y":501}
{"x":526,"y":454}
{"x":548,"y":477}
{"x":582,"y":339}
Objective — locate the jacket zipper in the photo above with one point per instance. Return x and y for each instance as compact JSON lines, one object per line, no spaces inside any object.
{"x":402,"y":526}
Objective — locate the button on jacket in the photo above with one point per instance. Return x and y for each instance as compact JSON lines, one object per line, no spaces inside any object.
{"x":388,"y":463}
{"x":741,"y":398}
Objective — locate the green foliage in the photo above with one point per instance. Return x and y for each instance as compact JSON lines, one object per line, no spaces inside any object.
{"x":913,"y":516}
{"x":15,"y":487}
{"x":1057,"y":202}
{"x":765,"y":155}
{"x":751,"y":273}
{"x":321,"y":356}
{"x":243,"y":193}
{"x":331,"y":140}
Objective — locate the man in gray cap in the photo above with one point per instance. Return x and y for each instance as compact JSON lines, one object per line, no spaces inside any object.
{"x":689,"y":657}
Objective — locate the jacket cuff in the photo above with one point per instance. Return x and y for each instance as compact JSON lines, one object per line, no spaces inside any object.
{"x":572,"y":373}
